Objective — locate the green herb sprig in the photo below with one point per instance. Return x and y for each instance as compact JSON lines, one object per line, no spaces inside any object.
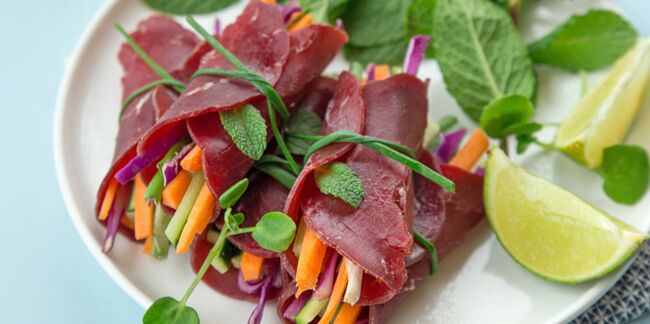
{"x":433,"y":253}
{"x":275,"y":232}
{"x":274,"y":102}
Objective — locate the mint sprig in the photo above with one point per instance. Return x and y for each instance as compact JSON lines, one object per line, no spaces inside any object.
{"x":338,"y":180}
{"x":625,"y":170}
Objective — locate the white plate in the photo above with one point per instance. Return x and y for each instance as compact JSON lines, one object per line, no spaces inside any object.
{"x":478,"y":283}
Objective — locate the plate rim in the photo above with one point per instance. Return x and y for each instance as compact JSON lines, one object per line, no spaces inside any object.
{"x":128,"y":286}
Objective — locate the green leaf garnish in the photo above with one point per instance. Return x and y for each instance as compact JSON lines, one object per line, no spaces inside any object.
{"x":144,"y":89}
{"x":318,"y":9}
{"x":275,"y":167}
{"x":187,"y":7}
{"x":389,"y":53}
{"x":275,"y":231}
{"x":338,"y":180}
{"x":446,"y":123}
{"x":168,"y":310}
{"x":302,"y":121}
{"x":505,"y":112}
{"x":433,"y":254}
{"x":233,"y":194}
{"x":419,"y":21}
{"x":233,"y":221}
{"x":475,"y":71}
{"x":246,"y":128}
{"x":587,"y":42}
{"x":625,"y":170}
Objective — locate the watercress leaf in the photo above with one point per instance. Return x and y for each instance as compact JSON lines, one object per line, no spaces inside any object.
{"x":587,"y":42}
{"x":232,"y":195}
{"x":302,"y":121}
{"x":233,"y":221}
{"x":625,"y":171}
{"x":505,"y":112}
{"x":390,"y":53}
{"x":371,"y":22}
{"x":275,"y":231}
{"x":523,"y":142}
{"x":168,"y":310}
{"x":480,"y":54}
{"x":419,"y":21}
{"x":523,"y":128}
{"x":338,"y":180}
{"x":247,"y":129}
{"x":188,"y":7}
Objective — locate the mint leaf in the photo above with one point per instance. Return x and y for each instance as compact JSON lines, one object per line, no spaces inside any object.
{"x":275,"y":231}
{"x":505,"y":112}
{"x":419,"y":21}
{"x":371,"y":22}
{"x":338,"y":180}
{"x":587,"y":42}
{"x":188,"y":7}
{"x":625,"y":170}
{"x":247,"y":129}
{"x":389,"y":53}
{"x":168,"y":310}
{"x":304,"y":122}
{"x":480,"y":54}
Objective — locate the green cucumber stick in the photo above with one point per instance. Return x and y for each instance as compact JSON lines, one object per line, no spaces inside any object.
{"x":175,"y":227}
{"x":160,"y":246}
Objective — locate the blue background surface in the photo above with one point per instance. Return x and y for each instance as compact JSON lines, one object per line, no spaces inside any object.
{"x":47,"y":275}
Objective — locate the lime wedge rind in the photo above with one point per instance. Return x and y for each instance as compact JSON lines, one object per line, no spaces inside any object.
{"x":532,"y":252}
{"x":603,"y":117}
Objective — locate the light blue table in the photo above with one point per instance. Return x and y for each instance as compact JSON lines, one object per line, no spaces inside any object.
{"x":47,"y":275}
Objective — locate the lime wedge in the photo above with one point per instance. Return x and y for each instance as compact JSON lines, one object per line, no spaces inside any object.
{"x":605,"y":114}
{"x":550,"y":231}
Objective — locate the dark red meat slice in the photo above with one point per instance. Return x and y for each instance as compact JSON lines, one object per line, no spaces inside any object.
{"x":345,"y":111}
{"x":311,"y":50}
{"x":318,"y":95}
{"x":170,"y":45}
{"x":259,"y":39}
{"x":377,"y":235}
{"x":224,"y":283}
{"x":446,"y":226}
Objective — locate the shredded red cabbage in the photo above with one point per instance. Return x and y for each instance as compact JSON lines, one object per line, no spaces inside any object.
{"x":449,"y":145}
{"x":296,"y":305}
{"x":151,"y":155}
{"x":217,"y":27}
{"x":326,"y":279}
{"x":120,"y":202}
{"x":370,"y":70}
{"x":171,"y":169}
{"x":248,"y":286}
{"x":415,"y":53}
{"x":258,"y":312}
{"x":289,"y":9}
{"x":480,"y":171}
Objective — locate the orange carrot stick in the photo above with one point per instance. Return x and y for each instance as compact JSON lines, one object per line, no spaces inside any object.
{"x":382,"y":72}
{"x":269,"y":1}
{"x":143,"y":211}
{"x":127,"y":222}
{"x":251,"y":266}
{"x":148,"y":245}
{"x":348,"y":314}
{"x":310,"y":262}
{"x":203,"y":208}
{"x":472,"y":151}
{"x":337,"y":294}
{"x":109,"y":196}
{"x":175,"y":190}
{"x":192,"y":162}
{"x":303,"y":22}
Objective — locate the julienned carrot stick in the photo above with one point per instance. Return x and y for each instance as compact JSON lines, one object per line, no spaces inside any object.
{"x":175,"y":190}
{"x":382,"y":72}
{"x":148,"y":245}
{"x":472,"y":151}
{"x":269,"y":1}
{"x":251,"y":266}
{"x":310,"y":262}
{"x":337,"y":294}
{"x":193,"y":160}
{"x":127,"y":222}
{"x":203,"y":209}
{"x":109,"y":196}
{"x":348,"y":314}
{"x":303,"y":22}
{"x":143,"y":211}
